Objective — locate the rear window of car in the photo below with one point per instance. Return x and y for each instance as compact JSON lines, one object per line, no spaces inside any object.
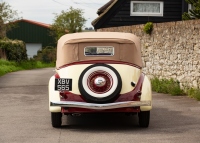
{"x":99,"y":51}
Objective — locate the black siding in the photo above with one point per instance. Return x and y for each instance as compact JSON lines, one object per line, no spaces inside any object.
{"x":31,"y":33}
{"x":119,"y":14}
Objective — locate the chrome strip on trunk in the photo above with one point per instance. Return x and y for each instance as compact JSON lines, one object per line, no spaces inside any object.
{"x":100,"y":106}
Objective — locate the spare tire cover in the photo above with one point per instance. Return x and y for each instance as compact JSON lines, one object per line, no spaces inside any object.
{"x":100,"y":83}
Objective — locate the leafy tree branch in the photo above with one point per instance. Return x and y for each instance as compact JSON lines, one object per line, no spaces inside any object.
{"x":193,"y":13}
{"x":70,"y":21}
{"x":7,"y":17}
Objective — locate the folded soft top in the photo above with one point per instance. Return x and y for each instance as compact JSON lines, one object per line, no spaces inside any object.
{"x":70,"y":47}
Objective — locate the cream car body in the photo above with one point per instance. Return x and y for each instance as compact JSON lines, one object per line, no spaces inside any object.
{"x":121,"y":69}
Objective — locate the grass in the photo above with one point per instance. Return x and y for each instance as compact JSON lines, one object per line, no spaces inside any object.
{"x":10,"y":66}
{"x":170,"y":86}
{"x":194,"y":93}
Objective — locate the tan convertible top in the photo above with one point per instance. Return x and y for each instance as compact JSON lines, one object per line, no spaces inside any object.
{"x":70,"y":47}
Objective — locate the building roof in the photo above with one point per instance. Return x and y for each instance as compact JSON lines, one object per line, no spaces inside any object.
{"x":35,"y":22}
{"x":103,"y":10}
{"x":104,"y":7}
{"x":117,"y":13}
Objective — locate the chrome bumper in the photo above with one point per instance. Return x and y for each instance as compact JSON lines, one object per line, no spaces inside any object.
{"x":100,"y":106}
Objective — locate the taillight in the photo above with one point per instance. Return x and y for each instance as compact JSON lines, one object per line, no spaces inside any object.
{"x":100,"y":82}
{"x":57,"y":75}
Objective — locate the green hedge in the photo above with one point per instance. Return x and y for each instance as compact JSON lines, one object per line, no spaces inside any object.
{"x":46,"y":55}
{"x":13,"y":50}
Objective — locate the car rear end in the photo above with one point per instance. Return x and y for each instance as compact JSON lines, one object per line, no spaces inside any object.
{"x":99,"y":75}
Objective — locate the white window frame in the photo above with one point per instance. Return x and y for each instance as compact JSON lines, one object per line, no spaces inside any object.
{"x":147,"y":13}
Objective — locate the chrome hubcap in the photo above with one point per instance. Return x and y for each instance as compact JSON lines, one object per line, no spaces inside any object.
{"x":100,"y":81}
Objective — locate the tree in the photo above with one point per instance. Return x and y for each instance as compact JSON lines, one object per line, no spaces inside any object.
{"x":69,"y":21}
{"x":193,"y":13}
{"x":7,"y":17}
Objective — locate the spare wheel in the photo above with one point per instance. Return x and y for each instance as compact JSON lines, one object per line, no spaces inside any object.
{"x":100,"y":83}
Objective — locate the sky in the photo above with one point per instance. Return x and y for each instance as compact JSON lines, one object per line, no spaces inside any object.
{"x":44,"y":10}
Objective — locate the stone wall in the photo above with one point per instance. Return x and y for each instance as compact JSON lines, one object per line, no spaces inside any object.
{"x":171,"y":51}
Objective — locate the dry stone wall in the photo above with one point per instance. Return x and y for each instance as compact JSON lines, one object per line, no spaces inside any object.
{"x":171,"y":51}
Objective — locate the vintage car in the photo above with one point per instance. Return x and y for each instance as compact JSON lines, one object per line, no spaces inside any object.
{"x":99,"y":72}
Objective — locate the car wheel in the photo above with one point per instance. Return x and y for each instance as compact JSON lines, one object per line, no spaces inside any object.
{"x":56,"y":119}
{"x":144,"y":117}
{"x":100,"y":83}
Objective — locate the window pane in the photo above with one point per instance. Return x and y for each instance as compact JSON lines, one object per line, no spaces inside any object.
{"x":99,"y":51}
{"x":146,"y":7}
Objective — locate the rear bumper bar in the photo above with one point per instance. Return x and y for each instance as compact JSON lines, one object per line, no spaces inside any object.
{"x":101,"y":106}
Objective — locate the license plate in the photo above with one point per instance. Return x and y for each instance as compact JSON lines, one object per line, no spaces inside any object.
{"x":63,"y":84}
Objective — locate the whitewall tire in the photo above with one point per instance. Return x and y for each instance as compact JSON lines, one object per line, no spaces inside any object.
{"x":100,"y":83}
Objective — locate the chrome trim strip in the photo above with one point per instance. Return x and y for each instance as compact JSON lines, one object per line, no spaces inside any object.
{"x":100,"y":106}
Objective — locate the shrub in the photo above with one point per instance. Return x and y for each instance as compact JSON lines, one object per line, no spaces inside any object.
{"x":13,"y":50}
{"x":46,"y":55}
{"x":148,"y":27}
{"x":193,"y":13}
{"x":168,"y":86}
{"x":173,"y":87}
{"x":194,"y":93}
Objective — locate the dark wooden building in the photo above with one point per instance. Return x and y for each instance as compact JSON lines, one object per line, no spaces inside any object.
{"x":35,"y":34}
{"x":131,"y":12}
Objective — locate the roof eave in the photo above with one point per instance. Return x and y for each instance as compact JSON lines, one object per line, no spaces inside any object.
{"x":95,"y":21}
{"x":104,"y":7}
{"x":35,"y":23}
